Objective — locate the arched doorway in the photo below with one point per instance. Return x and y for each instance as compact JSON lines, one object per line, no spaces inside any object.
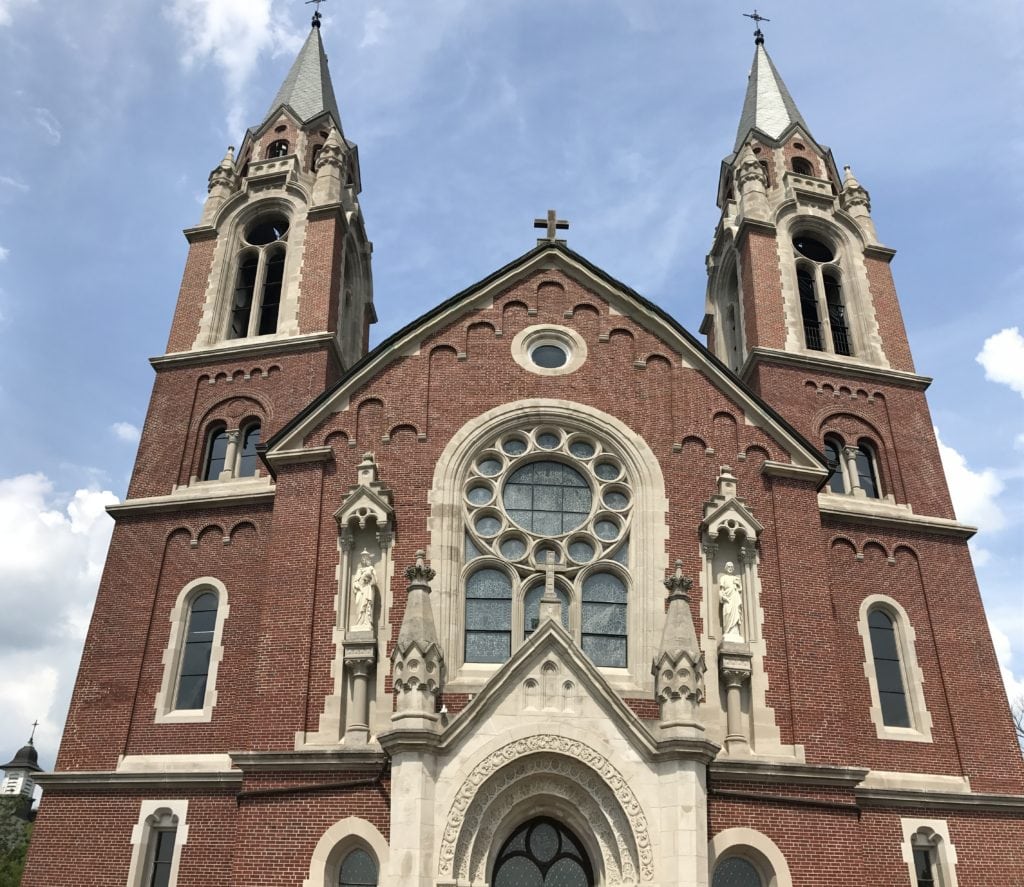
{"x":542,"y":853}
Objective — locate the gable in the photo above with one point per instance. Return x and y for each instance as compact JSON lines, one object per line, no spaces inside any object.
{"x":638,"y":360}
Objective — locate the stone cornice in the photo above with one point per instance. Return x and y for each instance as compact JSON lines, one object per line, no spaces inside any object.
{"x":775,"y":772}
{"x":105,"y":780}
{"x":257,"y":348}
{"x":369,"y":758}
{"x":877,"y":251}
{"x":835,"y":366}
{"x":882,"y":797}
{"x":200,"y":233}
{"x":191,"y":499}
{"x":745,"y":224}
{"x":297,"y":457}
{"x":876,"y":513}
{"x":794,"y":472}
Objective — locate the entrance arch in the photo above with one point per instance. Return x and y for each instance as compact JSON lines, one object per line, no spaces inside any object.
{"x":542,"y":853}
{"x":557,"y":778}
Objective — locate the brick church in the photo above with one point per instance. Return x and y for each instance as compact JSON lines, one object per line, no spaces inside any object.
{"x":543,"y":591}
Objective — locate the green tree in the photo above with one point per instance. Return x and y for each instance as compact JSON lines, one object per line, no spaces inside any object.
{"x":14,"y":837}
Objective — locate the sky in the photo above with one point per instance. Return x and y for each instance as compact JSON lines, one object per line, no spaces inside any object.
{"x":472,"y":119}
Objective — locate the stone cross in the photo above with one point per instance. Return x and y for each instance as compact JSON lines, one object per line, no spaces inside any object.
{"x":757,"y":21}
{"x":553,"y":224}
{"x":550,"y":606}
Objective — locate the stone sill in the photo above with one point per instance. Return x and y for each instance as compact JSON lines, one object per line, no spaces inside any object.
{"x":888,"y":515}
{"x":203,"y":494}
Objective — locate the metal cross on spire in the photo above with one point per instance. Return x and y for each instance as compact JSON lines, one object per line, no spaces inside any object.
{"x":316,"y":15}
{"x":553,"y":225}
{"x":758,"y":18}
{"x":33,"y":736}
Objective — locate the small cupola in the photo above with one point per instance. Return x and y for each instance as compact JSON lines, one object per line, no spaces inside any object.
{"x":18,"y":772}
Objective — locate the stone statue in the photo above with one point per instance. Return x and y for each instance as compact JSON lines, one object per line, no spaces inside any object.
{"x":364,"y":594}
{"x":730,"y":595}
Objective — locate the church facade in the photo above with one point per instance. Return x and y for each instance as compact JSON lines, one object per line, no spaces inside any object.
{"x":542,"y":590}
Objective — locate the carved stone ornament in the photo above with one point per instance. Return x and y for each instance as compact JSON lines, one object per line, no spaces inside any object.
{"x":570,"y":770}
{"x":224,"y":175}
{"x":727,"y":514}
{"x":332,"y":151}
{"x":854,"y":194}
{"x":417,"y":662}
{"x":679,"y":666}
{"x":749,"y":172}
{"x":368,"y":501}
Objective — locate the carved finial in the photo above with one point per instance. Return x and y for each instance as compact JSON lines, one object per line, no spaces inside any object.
{"x":677,"y":584}
{"x":317,"y":18}
{"x":758,"y":35}
{"x":420,"y":573}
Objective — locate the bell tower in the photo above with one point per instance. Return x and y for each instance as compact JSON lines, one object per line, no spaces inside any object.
{"x":276,"y":299}
{"x":802,"y":306}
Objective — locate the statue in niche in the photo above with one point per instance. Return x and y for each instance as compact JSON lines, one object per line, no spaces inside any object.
{"x":364,"y":594}
{"x":730,"y":596}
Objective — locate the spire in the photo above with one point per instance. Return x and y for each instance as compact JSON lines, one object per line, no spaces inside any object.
{"x":307,"y":89}
{"x":768,"y":106}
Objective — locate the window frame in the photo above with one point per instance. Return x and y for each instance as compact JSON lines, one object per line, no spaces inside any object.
{"x":265,"y":253}
{"x":920,"y":729}
{"x":173,"y":656}
{"x":754,"y":847}
{"x":156,"y":816}
{"x":337,"y":842}
{"x":818,"y":272}
{"x":214,"y":430}
{"x":934,"y":833}
{"x":244,"y":430}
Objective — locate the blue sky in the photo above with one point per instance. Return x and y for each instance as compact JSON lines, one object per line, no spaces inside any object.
{"x":472,"y":118}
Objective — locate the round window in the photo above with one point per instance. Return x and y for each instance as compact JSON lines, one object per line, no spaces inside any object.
{"x":549,"y":357}
{"x":547,"y":498}
{"x":815,"y":250}
{"x":267,"y":230}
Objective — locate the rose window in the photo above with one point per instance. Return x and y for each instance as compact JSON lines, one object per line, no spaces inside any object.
{"x":542,"y":500}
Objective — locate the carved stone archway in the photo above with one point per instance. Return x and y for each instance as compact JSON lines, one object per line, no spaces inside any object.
{"x":557,"y":775}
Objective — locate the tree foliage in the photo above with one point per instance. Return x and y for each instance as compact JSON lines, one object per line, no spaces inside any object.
{"x":14,"y":837}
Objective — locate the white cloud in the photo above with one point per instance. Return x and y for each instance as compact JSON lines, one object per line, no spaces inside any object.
{"x":50,"y":125}
{"x":375,"y":26}
{"x":13,"y":184}
{"x":1002,"y":356}
{"x":1004,"y":653}
{"x":1018,"y":441}
{"x":125,"y":431}
{"x":974,"y":492}
{"x":52,"y":549}
{"x":233,"y":36}
{"x":4,"y":253}
{"x":7,"y":8}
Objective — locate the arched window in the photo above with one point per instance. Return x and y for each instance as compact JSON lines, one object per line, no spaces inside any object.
{"x":836,"y":314}
{"x":542,"y":853}
{"x":216,"y":453}
{"x":925,"y":862}
{"x":867,"y":470}
{"x":358,"y":869}
{"x":802,"y":167}
{"x":735,"y":871}
{"x":929,"y":853}
{"x":821,"y":295}
{"x":248,"y":460}
{"x":488,"y":616}
{"x":277,"y":149}
{"x":259,"y":280}
{"x":547,"y":504}
{"x":809,"y":309}
{"x":885,"y":646}
{"x":195,"y":657}
{"x":834,"y":459}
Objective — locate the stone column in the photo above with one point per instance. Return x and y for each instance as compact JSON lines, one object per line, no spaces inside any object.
{"x":735,"y":667}
{"x":230,"y":455}
{"x":359,"y":664}
{"x":852,"y":476}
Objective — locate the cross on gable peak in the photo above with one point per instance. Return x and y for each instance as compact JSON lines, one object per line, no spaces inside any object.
{"x":553,"y":224}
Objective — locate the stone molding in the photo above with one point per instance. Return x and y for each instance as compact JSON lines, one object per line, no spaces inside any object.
{"x":547,"y":754}
{"x":154,"y":816}
{"x":110,"y":780}
{"x":756,"y":848}
{"x":825,"y":363}
{"x":262,"y":346}
{"x":782,"y":773}
{"x":935,"y":833}
{"x":211,"y":494}
{"x":878,"y":513}
{"x":337,"y":842}
{"x":369,"y":758}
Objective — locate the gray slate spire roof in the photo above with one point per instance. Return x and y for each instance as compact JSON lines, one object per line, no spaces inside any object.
{"x":768,"y":106}
{"x":307,"y":89}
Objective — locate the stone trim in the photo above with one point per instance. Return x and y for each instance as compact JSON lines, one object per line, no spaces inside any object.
{"x":888,"y":515}
{"x":538,"y":334}
{"x":782,"y":773}
{"x":138,"y":764}
{"x":821,"y":362}
{"x":337,"y":842}
{"x":300,"y":457}
{"x":107,"y":780}
{"x":944,"y":800}
{"x":758,"y":849}
{"x":358,"y":759}
{"x":262,"y":346}
{"x":814,"y":475}
{"x":165,"y":698}
{"x":648,"y":532}
{"x":913,"y":678}
{"x":934,"y":832}
{"x":202,"y":495}
{"x":156,"y":816}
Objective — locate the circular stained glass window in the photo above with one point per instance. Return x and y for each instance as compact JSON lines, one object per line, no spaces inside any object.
{"x":267,"y":230}
{"x":549,"y":357}
{"x":547,"y":498}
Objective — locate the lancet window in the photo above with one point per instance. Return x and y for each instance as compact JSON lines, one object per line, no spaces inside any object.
{"x":821,"y":296}
{"x":546,"y":505}
{"x":256,"y":298}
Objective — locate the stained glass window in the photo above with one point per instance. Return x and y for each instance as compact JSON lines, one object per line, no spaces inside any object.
{"x":547,"y":498}
{"x":866,"y":471}
{"x":163,"y":855}
{"x":736,"y":872}
{"x":358,"y":869}
{"x":604,"y":619}
{"x":488,"y":616}
{"x":542,"y":853}
{"x":248,"y":460}
{"x":836,"y":483}
{"x":216,"y":451}
{"x":531,"y":609}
